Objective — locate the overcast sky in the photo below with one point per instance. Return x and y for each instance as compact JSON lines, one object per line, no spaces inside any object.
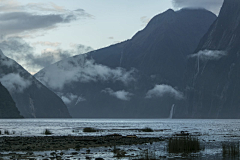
{"x":40,"y":32}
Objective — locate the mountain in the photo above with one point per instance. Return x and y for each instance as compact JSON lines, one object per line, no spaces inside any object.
{"x":213,"y":72}
{"x":32,"y":99}
{"x":8,"y":108}
{"x":138,"y":78}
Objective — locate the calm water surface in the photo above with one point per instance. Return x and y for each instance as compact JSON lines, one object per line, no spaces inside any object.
{"x":218,"y":130}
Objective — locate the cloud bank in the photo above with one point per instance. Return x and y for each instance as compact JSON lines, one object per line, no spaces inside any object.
{"x":19,"y":22}
{"x":211,"y":5}
{"x":16,"y":18}
{"x":69,"y":98}
{"x":17,"y":49}
{"x":122,"y":95}
{"x":162,"y":90}
{"x":205,"y":55}
{"x":80,"y":69}
{"x":15,"y":83}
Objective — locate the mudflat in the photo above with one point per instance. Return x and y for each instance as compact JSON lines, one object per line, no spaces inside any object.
{"x":48,"y":143}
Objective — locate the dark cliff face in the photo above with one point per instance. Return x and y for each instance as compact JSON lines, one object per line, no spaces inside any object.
{"x":213,"y":74}
{"x":8,"y":108}
{"x":32,"y":99}
{"x":138,"y":78}
{"x":161,"y":48}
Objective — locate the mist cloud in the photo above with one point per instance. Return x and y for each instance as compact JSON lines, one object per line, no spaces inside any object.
{"x":205,"y":55}
{"x":17,"y":49}
{"x":14,"y":82}
{"x":122,"y":95}
{"x":162,"y":90}
{"x":80,"y":69}
{"x":47,"y":43}
{"x":212,"y":5}
{"x":13,"y":6}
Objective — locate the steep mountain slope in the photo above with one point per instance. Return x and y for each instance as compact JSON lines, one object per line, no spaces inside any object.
{"x":32,"y":99}
{"x":8,"y":108}
{"x":213,"y":73}
{"x":161,"y":48}
{"x":138,"y":78}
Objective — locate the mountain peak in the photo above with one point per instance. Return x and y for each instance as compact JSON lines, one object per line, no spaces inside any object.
{"x":1,"y":53}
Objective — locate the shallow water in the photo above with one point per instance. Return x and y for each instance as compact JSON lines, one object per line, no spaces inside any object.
{"x":211,"y":133}
{"x":217,"y":130}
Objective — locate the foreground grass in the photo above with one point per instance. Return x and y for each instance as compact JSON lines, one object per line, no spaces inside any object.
{"x":184,"y":145}
{"x":231,"y":150}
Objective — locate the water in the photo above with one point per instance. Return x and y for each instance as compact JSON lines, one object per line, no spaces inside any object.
{"x":211,"y":133}
{"x":218,"y":130}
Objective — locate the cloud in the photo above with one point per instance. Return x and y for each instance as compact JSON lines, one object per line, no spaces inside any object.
{"x":80,"y":69}
{"x":19,"y":22}
{"x":44,"y":7}
{"x":144,"y":20}
{"x":10,"y":6}
{"x":81,"y":49}
{"x":17,"y":19}
{"x":13,"y":6}
{"x":6,"y":61}
{"x":68,"y":98}
{"x":14,"y":82}
{"x":122,"y":95}
{"x":162,"y":90}
{"x":80,"y":99}
{"x":209,"y":55}
{"x":47,"y":43}
{"x":48,"y":56}
{"x":17,"y":49}
{"x":212,"y":5}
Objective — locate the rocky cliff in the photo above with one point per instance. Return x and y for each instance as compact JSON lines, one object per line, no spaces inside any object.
{"x":213,"y":72}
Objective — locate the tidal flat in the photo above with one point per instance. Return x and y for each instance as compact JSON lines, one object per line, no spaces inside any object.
{"x":119,"y":139}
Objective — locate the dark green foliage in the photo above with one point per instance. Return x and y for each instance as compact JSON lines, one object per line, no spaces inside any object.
{"x":183,"y":145}
{"x":230,"y":150}
{"x":47,"y":132}
{"x":8,"y":108}
{"x":89,"y":129}
{"x":147,"y":129}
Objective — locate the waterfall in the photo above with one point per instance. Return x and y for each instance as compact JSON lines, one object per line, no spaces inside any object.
{"x":171,"y":112}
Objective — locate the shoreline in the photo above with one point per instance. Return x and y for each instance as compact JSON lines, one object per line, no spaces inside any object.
{"x":51,"y":143}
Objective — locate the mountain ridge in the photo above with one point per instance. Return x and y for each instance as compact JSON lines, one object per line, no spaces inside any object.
{"x":114,"y":82}
{"x":32,"y":99}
